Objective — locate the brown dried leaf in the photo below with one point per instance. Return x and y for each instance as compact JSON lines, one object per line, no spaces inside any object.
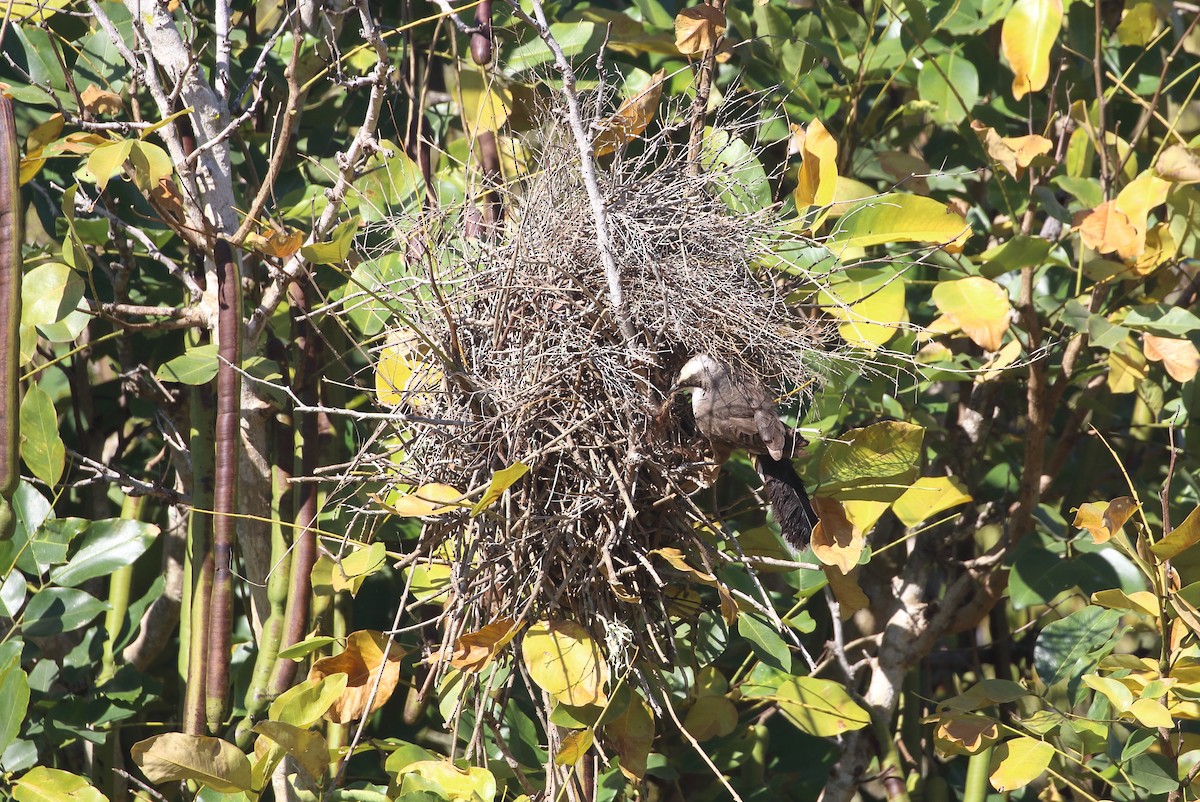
{"x":361,"y":662}
{"x":280,"y":244}
{"x":1014,"y":153}
{"x":632,"y":734}
{"x":698,"y":28}
{"x":845,"y":589}
{"x":1104,"y":518}
{"x":630,"y":119}
{"x":1179,"y":357}
{"x":475,"y":650}
{"x":679,"y":562}
{"x":965,"y":734}
{"x":835,"y":540}
{"x":1179,"y":164}
{"x":101,"y":101}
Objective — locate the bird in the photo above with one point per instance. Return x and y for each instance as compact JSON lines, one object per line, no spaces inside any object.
{"x":734,"y":410}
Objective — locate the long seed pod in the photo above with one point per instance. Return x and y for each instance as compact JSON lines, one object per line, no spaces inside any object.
{"x":228,"y":432}
{"x":10,"y":315}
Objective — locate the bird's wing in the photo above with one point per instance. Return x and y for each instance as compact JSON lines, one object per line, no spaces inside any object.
{"x":771,"y":430}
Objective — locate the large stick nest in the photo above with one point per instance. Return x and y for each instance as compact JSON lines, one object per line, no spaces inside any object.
{"x":520,"y":358}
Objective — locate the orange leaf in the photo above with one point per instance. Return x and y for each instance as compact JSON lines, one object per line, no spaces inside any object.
{"x":475,"y":650}
{"x":1106,"y":229}
{"x":965,"y":734}
{"x":698,"y":28}
{"x":101,"y":101}
{"x":845,"y":588}
{"x":1104,"y":518}
{"x":630,"y":119}
{"x":1179,"y":357}
{"x":361,"y":662}
{"x":1014,"y":153}
{"x":817,"y":180}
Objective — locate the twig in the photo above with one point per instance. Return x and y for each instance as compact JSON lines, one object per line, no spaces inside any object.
{"x":587,"y":165}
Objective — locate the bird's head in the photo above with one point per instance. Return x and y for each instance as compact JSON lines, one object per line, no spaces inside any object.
{"x":696,"y":373}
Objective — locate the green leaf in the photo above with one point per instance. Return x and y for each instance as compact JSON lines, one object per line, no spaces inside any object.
{"x":109,"y":544}
{"x":334,"y":250}
{"x":41,"y":447}
{"x":949,"y":81}
{"x":151,"y":164}
{"x":196,"y":366}
{"x":14,"y":690}
{"x":768,"y":646}
{"x":176,"y":757}
{"x":50,"y":292}
{"x":877,"y":462}
{"x":1014,"y":254}
{"x":898,"y":218}
{"x":1179,"y":539}
{"x":819,"y":707}
{"x":302,"y":649}
{"x":53,"y":611}
{"x":743,"y":184}
{"x":1163,"y":320}
{"x":1073,"y":646}
{"x":573,"y":37}
{"x":44,"y":784}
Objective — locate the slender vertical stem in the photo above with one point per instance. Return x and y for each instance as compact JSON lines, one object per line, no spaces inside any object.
{"x":118,"y":596}
{"x":10,"y":315}
{"x":226,"y":442}
{"x":198,"y":583}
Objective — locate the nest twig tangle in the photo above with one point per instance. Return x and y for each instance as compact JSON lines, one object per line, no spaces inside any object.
{"x":511,"y":353}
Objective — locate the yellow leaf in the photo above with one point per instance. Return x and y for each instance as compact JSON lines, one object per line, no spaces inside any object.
{"x":574,"y":746}
{"x":675,"y":557}
{"x":928,"y":496}
{"x":871,"y":304}
{"x":895,"y":217}
{"x":1135,"y":201}
{"x":846,"y":193}
{"x":698,"y":28}
{"x":1026,"y":38}
{"x":352,"y":570}
{"x":1179,"y":357}
{"x":174,"y":757}
{"x":426,"y":501}
{"x":1140,"y":601}
{"x":1151,"y":713}
{"x":630,"y":119}
{"x":1126,"y":368}
{"x":836,"y":541}
{"x":471,"y":783}
{"x":564,"y":661}
{"x":475,"y":650}
{"x":1018,"y":762}
{"x":309,"y":749}
{"x":362,"y":662}
{"x":1161,"y":247}
{"x":1000,"y":360}
{"x":502,"y":480}
{"x":816,"y":183}
{"x":863,"y":513}
{"x":45,"y":133}
{"x":1014,"y":153}
{"x":1118,"y":695}
{"x":485,"y":104}
{"x":849,"y":595}
{"x":979,"y":306}
{"x":280,"y":245}
{"x":1181,"y":538}
{"x":1103,"y":519}
{"x":965,"y":733}
{"x":101,"y":101}
{"x":1180,"y":164}
{"x":402,"y":377}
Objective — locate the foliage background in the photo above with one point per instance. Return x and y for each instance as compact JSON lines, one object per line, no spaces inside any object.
{"x":197,"y":176}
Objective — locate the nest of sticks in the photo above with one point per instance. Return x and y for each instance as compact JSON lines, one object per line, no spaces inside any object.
{"x":518,"y":355}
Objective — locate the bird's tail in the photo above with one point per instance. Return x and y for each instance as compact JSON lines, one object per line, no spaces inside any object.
{"x":788,"y":499}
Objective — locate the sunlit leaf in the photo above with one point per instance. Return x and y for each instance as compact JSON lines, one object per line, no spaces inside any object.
{"x":370,"y":678}
{"x":1014,"y":153}
{"x":574,"y":746}
{"x":306,"y":747}
{"x":1103,"y":519}
{"x":1181,"y":538}
{"x":849,"y":595}
{"x":176,"y":757}
{"x":354,"y":568}
{"x":978,"y":306}
{"x":928,"y":496}
{"x":871,"y":304}
{"x":1179,"y":163}
{"x":900,"y":218}
{"x":1140,"y":601}
{"x":485,"y":103}
{"x":1028,"y":34}
{"x":195,"y":366}
{"x":474,"y":651}
{"x":835,"y":540}
{"x":335,"y":249}
{"x":564,"y":661}
{"x":305,"y":703}
{"x":630,"y":119}
{"x":1180,"y":357}
{"x":502,"y":480}
{"x":426,"y":501}
{"x":965,"y":733}
{"x":817,"y":180}
{"x":698,"y":28}
{"x":1018,"y":762}
{"x":447,"y":780}
{"x":819,"y":707}
{"x":43,"y":784}
{"x":41,"y":446}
